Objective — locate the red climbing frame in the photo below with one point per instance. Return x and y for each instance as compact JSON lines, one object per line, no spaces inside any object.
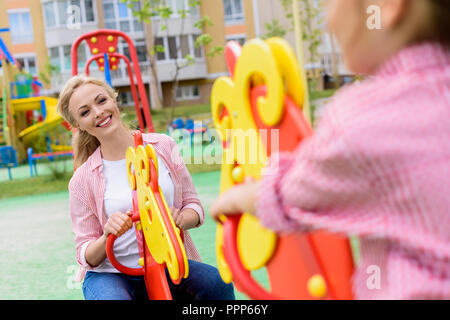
{"x":105,"y":41}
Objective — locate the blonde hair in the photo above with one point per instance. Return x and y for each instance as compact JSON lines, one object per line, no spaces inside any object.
{"x":84,"y":144}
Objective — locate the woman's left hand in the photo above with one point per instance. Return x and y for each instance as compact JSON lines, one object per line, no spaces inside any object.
{"x":185,"y":219}
{"x":238,"y":199}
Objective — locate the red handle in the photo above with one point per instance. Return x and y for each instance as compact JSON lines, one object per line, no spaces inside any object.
{"x":110,"y":254}
{"x":242,"y":276}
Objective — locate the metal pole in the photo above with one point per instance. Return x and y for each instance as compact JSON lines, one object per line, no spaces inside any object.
{"x":107,"y":72}
{"x":301,"y":58}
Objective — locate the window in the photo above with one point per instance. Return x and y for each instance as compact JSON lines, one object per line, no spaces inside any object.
{"x":123,"y":10}
{"x":67,"y":57}
{"x":188,"y":93}
{"x":141,"y":51}
{"x":54,"y":57}
{"x":110,"y":17}
{"x":241,"y":38}
{"x":184,"y":45}
{"x":119,"y":17}
{"x":179,"y":5}
{"x":178,"y":47}
{"x":173,"y":48}
{"x":56,"y":15}
{"x":81,"y":54}
{"x":28,"y":63}
{"x":160,"y":55}
{"x":89,"y":11}
{"x":60,"y":57}
{"x":233,"y":11}
{"x":126,"y":98}
{"x":62,"y":12}
{"x":20,"y":26}
{"x":49,"y":15}
{"x":198,"y":51}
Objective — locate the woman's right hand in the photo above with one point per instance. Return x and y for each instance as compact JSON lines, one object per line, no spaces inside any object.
{"x":117,"y":224}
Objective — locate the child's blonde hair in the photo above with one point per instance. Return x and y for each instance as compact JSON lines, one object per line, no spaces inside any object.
{"x":83,"y":143}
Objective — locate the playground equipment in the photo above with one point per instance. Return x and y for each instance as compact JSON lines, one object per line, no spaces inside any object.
{"x":47,"y":108}
{"x":32,"y":157}
{"x":21,"y":101}
{"x":264,"y":97}
{"x":8,"y":159}
{"x":162,"y":246}
{"x":103,"y":45}
{"x":196,"y":130}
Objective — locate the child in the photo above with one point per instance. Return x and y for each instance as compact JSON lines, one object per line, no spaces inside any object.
{"x":100,"y":198}
{"x":378,"y":163}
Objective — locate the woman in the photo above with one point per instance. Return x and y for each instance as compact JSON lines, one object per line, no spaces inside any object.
{"x":100,"y":198}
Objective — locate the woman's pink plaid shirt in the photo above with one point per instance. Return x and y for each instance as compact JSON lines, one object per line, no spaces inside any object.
{"x":378,"y":167}
{"x":87,"y":188}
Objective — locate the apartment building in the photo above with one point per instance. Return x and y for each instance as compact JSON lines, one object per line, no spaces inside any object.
{"x":43,"y":31}
{"x":66,"y":20}
{"x":26,"y":39}
{"x":232,"y":20}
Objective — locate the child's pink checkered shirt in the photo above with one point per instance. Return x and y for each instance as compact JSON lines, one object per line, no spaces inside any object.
{"x":378,"y":167}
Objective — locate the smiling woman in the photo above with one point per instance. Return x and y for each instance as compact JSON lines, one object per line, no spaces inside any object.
{"x":100,"y":198}
{"x":85,"y":140}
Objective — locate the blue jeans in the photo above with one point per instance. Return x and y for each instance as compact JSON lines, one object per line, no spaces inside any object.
{"x":203,"y":283}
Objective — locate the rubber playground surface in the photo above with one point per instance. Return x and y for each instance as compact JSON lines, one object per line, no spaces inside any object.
{"x":37,"y":248}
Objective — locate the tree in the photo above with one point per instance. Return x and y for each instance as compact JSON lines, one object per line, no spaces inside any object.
{"x":312,"y":25}
{"x":48,"y":72}
{"x":310,"y":14}
{"x":161,"y":9}
{"x":274,"y":29}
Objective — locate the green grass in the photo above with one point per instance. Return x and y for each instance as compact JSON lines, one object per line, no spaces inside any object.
{"x":322,"y":94}
{"x":37,"y":251}
{"x":47,"y":184}
{"x":159,"y":117}
{"x":33,"y":186}
{"x":188,"y":111}
{"x":196,"y":111}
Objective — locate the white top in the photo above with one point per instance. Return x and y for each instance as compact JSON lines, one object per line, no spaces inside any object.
{"x":118,"y":198}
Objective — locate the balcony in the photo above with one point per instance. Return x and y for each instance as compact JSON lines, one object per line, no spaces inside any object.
{"x":64,"y":36}
{"x":119,"y":77}
{"x":165,"y":72}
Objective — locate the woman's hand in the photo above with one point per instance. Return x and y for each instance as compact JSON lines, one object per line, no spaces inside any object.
{"x":118,"y":223}
{"x":238,"y":199}
{"x":186,"y":219}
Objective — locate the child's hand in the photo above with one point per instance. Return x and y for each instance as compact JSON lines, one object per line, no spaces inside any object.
{"x":118,"y":223}
{"x":238,"y":199}
{"x":186,"y":219}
